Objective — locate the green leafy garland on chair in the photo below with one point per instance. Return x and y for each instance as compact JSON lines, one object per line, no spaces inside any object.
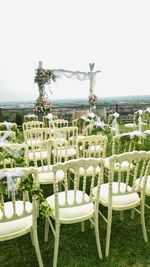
{"x":124,"y":140}
{"x":26,"y":183}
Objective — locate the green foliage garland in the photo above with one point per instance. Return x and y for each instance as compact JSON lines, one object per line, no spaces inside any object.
{"x":44,"y":76}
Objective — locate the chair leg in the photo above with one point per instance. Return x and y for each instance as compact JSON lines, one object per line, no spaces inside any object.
{"x":121,"y":215}
{"x":82,"y":227}
{"x":108,"y":232}
{"x":97,"y":237}
{"x":37,"y":248}
{"x":143,"y":222}
{"x":57,"y":234}
{"x":132,"y":213}
{"x":46,"y":230}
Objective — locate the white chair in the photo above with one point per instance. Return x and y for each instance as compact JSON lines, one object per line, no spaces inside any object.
{"x":30,"y":117}
{"x":35,"y":135}
{"x":18,"y":216}
{"x":75,"y":204}
{"x":121,"y":192}
{"x":58,"y":123}
{"x":32,"y":124}
{"x":91,"y":146}
{"x":125,"y":142}
{"x":67,"y":133}
{"x":40,"y":156}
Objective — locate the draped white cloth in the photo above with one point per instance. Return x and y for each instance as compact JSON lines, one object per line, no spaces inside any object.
{"x":115,"y":123}
{"x":3,"y":138}
{"x":11,"y":175}
{"x":8,"y":125}
{"x":81,"y":76}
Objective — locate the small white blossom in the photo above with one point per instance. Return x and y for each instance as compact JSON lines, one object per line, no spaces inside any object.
{"x":116,"y":115}
{"x":91,"y":115}
{"x":49,"y":116}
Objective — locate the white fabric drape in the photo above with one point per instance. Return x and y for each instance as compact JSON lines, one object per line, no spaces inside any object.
{"x":11,"y":181}
{"x":81,"y":76}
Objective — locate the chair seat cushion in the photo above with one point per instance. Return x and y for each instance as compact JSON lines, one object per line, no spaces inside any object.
{"x":120,"y":202}
{"x":31,"y":142}
{"x":46,"y":175}
{"x":147,"y":132}
{"x":147,"y":189}
{"x":75,"y":212}
{"x":130,"y":125}
{"x":65,"y":152}
{"x":90,"y":170}
{"x":17,"y":225}
{"x":124,"y":165}
{"x":38,"y":155}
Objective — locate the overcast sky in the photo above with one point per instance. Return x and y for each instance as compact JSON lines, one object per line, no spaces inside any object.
{"x":69,"y":34}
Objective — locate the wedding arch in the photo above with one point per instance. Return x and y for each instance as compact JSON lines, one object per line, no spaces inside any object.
{"x":45,"y":76}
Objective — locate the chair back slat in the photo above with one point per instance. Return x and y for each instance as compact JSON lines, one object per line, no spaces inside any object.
{"x":77,"y":186}
{"x":14,"y":206}
{"x":124,"y":171}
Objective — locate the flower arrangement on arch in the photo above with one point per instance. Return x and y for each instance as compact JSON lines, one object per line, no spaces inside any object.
{"x":44,"y":76}
{"x":93,"y":99}
{"x":42,"y":105}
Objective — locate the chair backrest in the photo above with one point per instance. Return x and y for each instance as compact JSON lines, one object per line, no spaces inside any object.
{"x":68,"y":133}
{"x":62,"y":150}
{"x":75,"y":192}
{"x":15,"y":209}
{"x":13,"y":155}
{"x":35,"y":135}
{"x":30,"y":117}
{"x":32,"y":124}
{"x":58,"y":123}
{"x":127,"y":142}
{"x":92,"y":146}
{"x":40,"y":154}
{"x":136,"y":164}
{"x":87,"y":129}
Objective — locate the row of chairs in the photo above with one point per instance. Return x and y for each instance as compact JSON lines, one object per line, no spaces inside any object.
{"x":79,"y":198}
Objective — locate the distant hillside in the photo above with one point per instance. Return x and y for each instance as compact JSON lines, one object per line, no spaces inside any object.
{"x":141,"y":99}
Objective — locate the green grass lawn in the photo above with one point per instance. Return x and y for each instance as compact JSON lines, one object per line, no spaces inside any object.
{"x":78,"y":249}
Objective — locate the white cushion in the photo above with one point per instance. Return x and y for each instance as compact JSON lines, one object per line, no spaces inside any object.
{"x":147,"y":191}
{"x":120,"y":201}
{"x":47,"y":176}
{"x":130,"y":125}
{"x":38,"y":155}
{"x":30,"y":142}
{"x":72,"y":213}
{"x":96,"y":148}
{"x":65,"y":152}
{"x":89,"y":171}
{"x":15,"y":225}
{"x":147,"y":132}
{"x":124,"y":165}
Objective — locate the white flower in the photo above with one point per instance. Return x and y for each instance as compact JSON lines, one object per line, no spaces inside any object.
{"x":87,"y":120}
{"x":140,"y":111}
{"x":91,"y":115}
{"x":83,"y":118}
{"x":148,"y":109}
{"x":49,"y":116}
{"x":116,"y":115}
